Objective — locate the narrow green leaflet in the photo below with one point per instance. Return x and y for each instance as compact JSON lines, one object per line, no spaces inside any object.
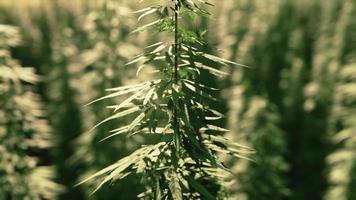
{"x":212,"y":70}
{"x":205,"y":2}
{"x":118,"y":115}
{"x":158,"y":49}
{"x":148,"y":12}
{"x":119,"y":93}
{"x":200,"y":93}
{"x":131,"y":86}
{"x":214,"y":128}
{"x":116,"y":132}
{"x":137,"y":59}
{"x":221,"y":60}
{"x":128,"y":100}
{"x":136,"y":121}
{"x":116,"y":171}
{"x":149,"y":95}
{"x":200,"y":85}
{"x":154,"y":45}
{"x":226,"y":141}
{"x":144,"y":27}
{"x":100,"y":173}
{"x":144,"y":10}
{"x":119,"y":168}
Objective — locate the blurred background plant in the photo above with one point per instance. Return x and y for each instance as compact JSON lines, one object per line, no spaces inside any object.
{"x":24,"y":132}
{"x":295,"y":104}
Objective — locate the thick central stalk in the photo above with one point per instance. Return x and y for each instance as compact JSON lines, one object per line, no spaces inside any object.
{"x":175,"y":77}
{"x":176,"y":40}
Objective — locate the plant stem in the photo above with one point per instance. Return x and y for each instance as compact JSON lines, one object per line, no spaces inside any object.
{"x":175,"y":76}
{"x":176,"y":42}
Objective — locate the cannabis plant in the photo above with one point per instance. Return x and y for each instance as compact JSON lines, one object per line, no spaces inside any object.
{"x":343,"y":160}
{"x":258,"y":127}
{"x":181,"y":160}
{"x":24,"y":133}
{"x":253,"y":117}
{"x":296,"y":51}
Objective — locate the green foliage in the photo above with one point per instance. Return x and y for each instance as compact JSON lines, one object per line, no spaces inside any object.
{"x":106,"y":33}
{"x":74,"y":52}
{"x":342,"y":161}
{"x":23,"y":130}
{"x":182,"y":162}
{"x":268,"y":171}
{"x":294,"y":105}
{"x":296,"y":51}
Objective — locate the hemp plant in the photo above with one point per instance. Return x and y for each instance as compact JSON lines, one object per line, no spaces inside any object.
{"x":183,"y":161}
{"x":24,"y":131}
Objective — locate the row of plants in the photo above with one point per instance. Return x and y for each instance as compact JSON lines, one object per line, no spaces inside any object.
{"x":24,"y":132}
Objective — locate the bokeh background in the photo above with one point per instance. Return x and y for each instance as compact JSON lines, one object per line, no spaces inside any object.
{"x":295,"y":104}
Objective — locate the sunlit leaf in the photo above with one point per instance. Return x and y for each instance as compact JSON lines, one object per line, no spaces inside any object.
{"x":141,"y":28}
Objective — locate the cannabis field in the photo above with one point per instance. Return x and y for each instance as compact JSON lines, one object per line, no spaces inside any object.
{"x":178,"y":99}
